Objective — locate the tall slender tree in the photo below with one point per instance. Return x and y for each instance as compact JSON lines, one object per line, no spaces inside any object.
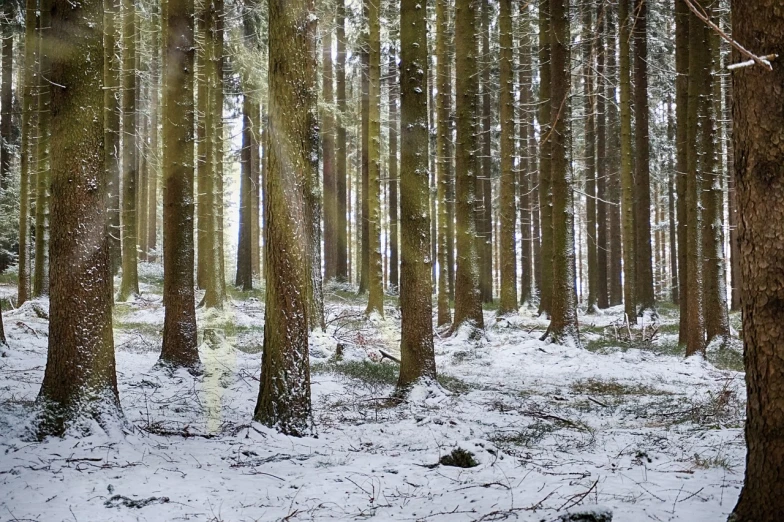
{"x":484,"y":188}
{"x":375,"y":272}
{"x":111,"y":149}
{"x":129,"y":283}
{"x":6,"y":93}
{"x":341,"y":180}
{"x":682,"y":51}
{"x":392,"y":131}
{"x":179,"y":324}
{"x":284,"y":395}
{"x":602,"y":172}
{"x":444,"y":160}
{"x":468,"y":298}
{"x":627,"y":176}
{"x":758,"y":122}
{"x":328,"y":144}
{"x":563,"y":312}
{"x":416,"y":340}
{"x":26,"y":153}
{"x":545,"y":173}
{"x":80,"y":383}
{"x":526,"y":155}
{"x":508,"y":298}
{"x":40,"y":274}
{"x":590,"y":157}
{"x":642,"y":184}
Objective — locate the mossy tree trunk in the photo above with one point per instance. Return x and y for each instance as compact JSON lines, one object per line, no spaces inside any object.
{"x":416,"y":340}
{"x":468,"y":298}
{"x":284,"y":395}
{"x":80,"y":384}
{"x":179,"y":326}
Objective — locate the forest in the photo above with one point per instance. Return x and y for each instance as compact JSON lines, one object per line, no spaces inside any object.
{"x":432,"y":260}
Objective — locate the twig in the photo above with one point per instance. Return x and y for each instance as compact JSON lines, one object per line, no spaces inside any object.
{"x":387,"y":355}
{"x":576,"y":499}
{"x":702,"y":15}
{"x":600,"y":403}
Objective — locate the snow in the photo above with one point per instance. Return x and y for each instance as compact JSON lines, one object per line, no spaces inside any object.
{"x":638,"y":432}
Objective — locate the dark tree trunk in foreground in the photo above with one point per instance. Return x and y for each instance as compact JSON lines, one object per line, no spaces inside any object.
{"x":416,"y":340}
{"x":130,"y":176}
{"x":284,"y":395}
{"x":80,"y":384}
{"x":468,"y":298}
{"x":179,"y":326}
{"x":508,"y":300}
{"x":484,"y":221}
{"x":758,"y":143}
{"x":563,"y":312}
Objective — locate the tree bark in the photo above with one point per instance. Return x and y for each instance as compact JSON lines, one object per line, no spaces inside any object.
{"x":485,"y":194}
{"x":627,"y":176}
{"x":6,"y":98}
{"x":508,"y":215}
{"x":26,"y":169}
{"x":468,"y":298}
{"x":602,"y":172}
{"x":682,"y":51}
{"x":758,"y":144}
{"x":341,"y":222}
{"x":328,"y":145}
{"x":417,"y":356}
{"x":545,"y":170}
{"x":643,"y":270}
{"x":444,"y":160}
{"x":129,"y":283}
{"x":80,"y":384}
{"x":41,"y":273}
{"x":179,"y":325}
{"x":526,"y":154}
{"x":563,"y":312}
{"x":590,"y":160}
{"x":284,"y":394}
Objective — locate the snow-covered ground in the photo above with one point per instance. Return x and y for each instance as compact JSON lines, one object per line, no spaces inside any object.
{"x":641,"y":432}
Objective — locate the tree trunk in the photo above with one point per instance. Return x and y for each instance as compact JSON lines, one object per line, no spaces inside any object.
{"x":590,"y":159}
{"x":563,"y":311}
{"x":284,"y":394}
{"x":526,"y":165}
{"x":671,"y":181}
{"x":80,"y":384}
{"x":682,"y":52}
{"x":361,"y":210}
{"x":468,"y":298}
{"x":545,"y":171}
{"x":41,"y":274}
{"x":508,"y":265}
{"x":416,"y":341}
{"x":695,"y":332}
{"x":717,"y":322}
{"x":28,"y":97}
{"x":444,"y":160}
{"x":394,"y":279}
{"x":485,"y":194}
{"x":602,"y":172}
{"x":341,"y":222}
{"x":758,"y":147}
{"x":6,"y":114}
{"x":129,"y":283}
{"x":627,"y":176}
{"x":614,"y":161}
{"x":375,"y":273}
{"x":643,"y":270}
{"x":179,"y":326}
{"x":328,"y":145}
{"x":202,"y":168}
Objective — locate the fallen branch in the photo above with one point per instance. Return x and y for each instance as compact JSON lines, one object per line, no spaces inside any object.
{"x":579,"y":497}
{"x":387,"y":355}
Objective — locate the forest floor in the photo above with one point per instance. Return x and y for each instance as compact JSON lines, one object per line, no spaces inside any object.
{"x":625,"y":424}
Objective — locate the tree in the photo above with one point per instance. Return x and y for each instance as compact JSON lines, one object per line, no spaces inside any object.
{"x":695,"y":329}
{"x":682,"y":23}
{"x":484,"y":194}
{"x":468,"y":298}
{"x":340,"y":150}
{"x":416,"y":341}
{"x":508,"y":301}
{"x":642,"y":221}
{"x":590,"y":159}
{"x":130,"y":173}
{"x":545,"y":210}
{"x":80,"y":384}
{"x":392,"y":131}
{"x":627,"y":177}
{"x":6,"y":75}
{"x":759,"y":176}
{"x":23,"y":284}
{"x":40,"y":274}
{"x":284,"y":394}
{"x":111,"y":121}
{"x":602,"y":172}
{"x":328,"y":145}
{"x":375,"y":275}
{"x":179,"y":325}
{"x":526,"y":153}
{"x":444,"y":160}
{"x":563,"y":311}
